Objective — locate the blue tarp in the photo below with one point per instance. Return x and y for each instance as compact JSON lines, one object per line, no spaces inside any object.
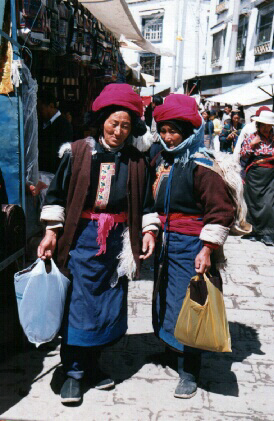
{"x":9,"y":147}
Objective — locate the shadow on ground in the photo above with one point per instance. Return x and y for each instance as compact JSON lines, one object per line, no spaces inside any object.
{"x":125,"y":358}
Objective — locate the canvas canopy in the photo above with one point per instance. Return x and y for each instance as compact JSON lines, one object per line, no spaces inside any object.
{"x":249,"y":93}
{"x":117,"y":18}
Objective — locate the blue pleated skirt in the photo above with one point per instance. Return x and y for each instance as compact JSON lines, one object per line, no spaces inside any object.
{"x":96,"y":311}
{"x":179,"y":269}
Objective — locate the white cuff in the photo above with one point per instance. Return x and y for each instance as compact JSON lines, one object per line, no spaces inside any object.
{"x":53,"y":224}
{"x":151,"y":222}
{"x":214,"y":233}
{"x":53,"y":213}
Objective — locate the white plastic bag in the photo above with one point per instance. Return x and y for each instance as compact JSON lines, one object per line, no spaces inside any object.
{"x":41,"y":299}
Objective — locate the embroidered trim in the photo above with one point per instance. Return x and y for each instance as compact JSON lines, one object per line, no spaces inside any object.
{"x":107,"y":170}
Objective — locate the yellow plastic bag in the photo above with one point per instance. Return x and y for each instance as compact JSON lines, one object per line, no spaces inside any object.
{"x":204,"y":325}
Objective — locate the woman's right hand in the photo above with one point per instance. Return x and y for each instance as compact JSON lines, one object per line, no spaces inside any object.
{"x":47,"y":246}
{"x":255,"y":141}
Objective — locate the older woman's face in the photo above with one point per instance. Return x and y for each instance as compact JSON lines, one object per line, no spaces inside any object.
{"x":265,"y":129}
{"x":171,"y":136}
{"x":117,"y":128}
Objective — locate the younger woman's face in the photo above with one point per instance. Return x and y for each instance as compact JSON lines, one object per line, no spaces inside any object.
{"x":171,"y":136}
{"x":117,"y":128}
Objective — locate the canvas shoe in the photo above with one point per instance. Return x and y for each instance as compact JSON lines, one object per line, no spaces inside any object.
{"x":71,"y":391}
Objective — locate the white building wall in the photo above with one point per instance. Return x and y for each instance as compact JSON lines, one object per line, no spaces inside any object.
{"x":186,"y":48}
{"x":250,"y":63}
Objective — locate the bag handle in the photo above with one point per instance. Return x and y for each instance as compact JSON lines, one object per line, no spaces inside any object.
{"x":55,"y":271}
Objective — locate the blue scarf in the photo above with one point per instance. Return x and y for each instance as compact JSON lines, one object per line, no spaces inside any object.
{"x":186,"y":149}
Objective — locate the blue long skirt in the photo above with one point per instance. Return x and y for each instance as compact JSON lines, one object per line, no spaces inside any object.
{"x":96,"y":311}
{"x":179,"y":269}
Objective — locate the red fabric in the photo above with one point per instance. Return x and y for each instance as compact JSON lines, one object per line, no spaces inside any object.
{"x":146,"y":100}
{"x":178,"y":107}
{"x":265,"y":162}
{"x":187,"y":224}
{"x":119,"y":94}
{"x":106,"y":222}
{"x":265,"y":147}
{"x":211,"y":245}
{"x":262,"y":108}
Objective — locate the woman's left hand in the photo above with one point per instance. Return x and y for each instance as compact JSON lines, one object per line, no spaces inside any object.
{"x":202,"y":261}
{"x":148,"y":246}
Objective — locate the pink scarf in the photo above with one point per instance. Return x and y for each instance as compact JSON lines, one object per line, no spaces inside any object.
{"x":106,"y":222}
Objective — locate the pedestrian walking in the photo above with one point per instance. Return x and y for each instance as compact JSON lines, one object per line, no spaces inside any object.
{"x":102,"y":186}
{"x":196,"y":212}
{"x":258,"y":151}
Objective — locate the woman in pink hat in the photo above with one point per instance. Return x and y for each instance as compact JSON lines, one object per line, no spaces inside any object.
{"x":196,"y":212}
{"x":97,"y":207}
{"x":258,"y":153}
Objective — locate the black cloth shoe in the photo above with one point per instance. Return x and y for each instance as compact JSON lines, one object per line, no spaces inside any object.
{"x":103,"y":380}
{"x":105,"y":384}
{"x":71,"y":391}
{"x":188,"y":368}
{"x":267,"y":240}
{"x":186,"y":387}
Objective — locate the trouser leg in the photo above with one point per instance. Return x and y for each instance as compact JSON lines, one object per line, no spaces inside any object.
{"x":74,"y":360}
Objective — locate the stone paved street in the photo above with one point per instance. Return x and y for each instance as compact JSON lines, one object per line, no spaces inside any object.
{"x":237,"y":386}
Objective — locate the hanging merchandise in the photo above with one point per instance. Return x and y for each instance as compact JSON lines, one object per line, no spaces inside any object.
{"x":34,"y":25}
{"x":6,"y":86}
{"x":63,"y":26}
{"x":29,"y":97}
{"x":6,"y":54}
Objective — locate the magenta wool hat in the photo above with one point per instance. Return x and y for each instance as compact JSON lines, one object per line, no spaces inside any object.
{"x":120,"y":94}
{"x":178,"y":107}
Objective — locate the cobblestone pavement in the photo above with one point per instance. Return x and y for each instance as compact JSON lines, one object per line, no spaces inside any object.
{"x":237,"y":386}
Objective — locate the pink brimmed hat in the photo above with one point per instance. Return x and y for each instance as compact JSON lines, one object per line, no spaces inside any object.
{"x":178,"y":107}
{"x":120,"y":94}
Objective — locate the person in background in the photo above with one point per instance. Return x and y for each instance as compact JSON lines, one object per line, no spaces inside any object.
{"x":258,"y":151}
{"x":216,"y":122}
{"x":150,"y":122}
{"x":196,"y":212}
{"x":100,"y":199}
{"x":247,"y":130}
{"x":209,"y":129}
{"x":54,"y":130}
{"x":231,"y":131}
{"x":227,"y":113}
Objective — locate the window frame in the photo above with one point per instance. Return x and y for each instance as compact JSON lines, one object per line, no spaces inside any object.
{"x":154,"y":68}
{"x":216,"y":62}
{"x":155,"y":20}
{"x":264,"y":11}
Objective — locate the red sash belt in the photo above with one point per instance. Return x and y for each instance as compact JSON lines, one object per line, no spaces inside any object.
{"x":106,"y":222}
{"x":265,"y":162}
{"x":183,"y":223}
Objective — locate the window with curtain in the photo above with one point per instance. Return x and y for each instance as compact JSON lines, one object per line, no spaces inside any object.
{"x":217,"y":48}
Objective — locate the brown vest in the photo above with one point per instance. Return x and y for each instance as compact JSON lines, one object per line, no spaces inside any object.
{"x":78,"y":188}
